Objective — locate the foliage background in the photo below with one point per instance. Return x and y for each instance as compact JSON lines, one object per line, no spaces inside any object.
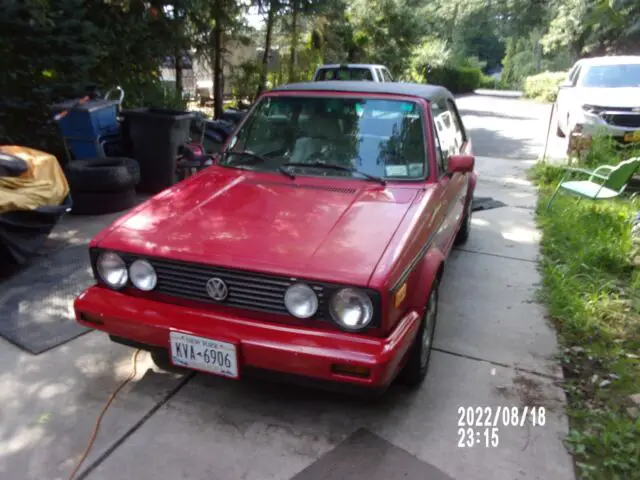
{"x":54,"y":49}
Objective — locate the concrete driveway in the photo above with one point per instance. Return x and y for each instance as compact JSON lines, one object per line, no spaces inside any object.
{"x":493,"y":349}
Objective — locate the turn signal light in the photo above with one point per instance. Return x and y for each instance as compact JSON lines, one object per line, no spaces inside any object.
{"x":85,"y":317}
{"x":400,"y":295}
{"x":352,"y":370}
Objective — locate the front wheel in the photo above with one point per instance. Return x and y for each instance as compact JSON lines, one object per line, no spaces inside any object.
{"x":417,"y":364}
{"x":465,"y":228}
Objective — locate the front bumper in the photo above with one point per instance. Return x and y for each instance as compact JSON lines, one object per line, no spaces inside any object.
{"x":592,"y":125}
{"x":273,"y":347}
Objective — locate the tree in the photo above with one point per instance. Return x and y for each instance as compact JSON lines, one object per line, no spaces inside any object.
{"x":272,"y":8}
{"x":298,"y":10}
{"x":387,"y":31}
{"x":212,"y":22}
{"x":594,"y":27}
{"x":48,"y":50}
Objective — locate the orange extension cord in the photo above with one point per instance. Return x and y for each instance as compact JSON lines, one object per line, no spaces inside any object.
{"x":112,"y":397}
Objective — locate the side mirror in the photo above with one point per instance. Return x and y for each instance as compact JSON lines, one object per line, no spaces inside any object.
{"x":461,"y":164}
{"x":565,"y":84}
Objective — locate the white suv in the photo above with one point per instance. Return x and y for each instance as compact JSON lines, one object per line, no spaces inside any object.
{"x":601,"y":96}
{"x":353,"y":71}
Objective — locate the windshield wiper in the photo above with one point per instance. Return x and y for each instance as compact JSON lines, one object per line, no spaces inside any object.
{"x":246,"y":153}
{"x":252,"y":156}
{"x":333,"y":166}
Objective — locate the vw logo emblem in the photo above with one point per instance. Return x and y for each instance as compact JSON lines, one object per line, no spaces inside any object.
{"x":217,"y":289}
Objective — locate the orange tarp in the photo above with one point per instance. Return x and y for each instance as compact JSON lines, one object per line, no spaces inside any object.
{"x":44,"y":183}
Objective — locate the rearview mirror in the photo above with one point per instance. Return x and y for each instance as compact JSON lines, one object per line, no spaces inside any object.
{"x":461,"y":163}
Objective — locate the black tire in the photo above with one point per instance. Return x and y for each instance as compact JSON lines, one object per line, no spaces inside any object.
{"x":134,"y":169}
{"x":465,"y":228}
{"x":109,"y":174}
{"x":417,"y":366}
{"x":99,"y":203}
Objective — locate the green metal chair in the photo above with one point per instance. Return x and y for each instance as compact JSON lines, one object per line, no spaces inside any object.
{"x":605,"y":182}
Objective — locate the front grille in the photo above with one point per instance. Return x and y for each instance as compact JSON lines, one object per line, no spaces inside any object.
{"x":247,"y":290}
{"x":622,"y":119}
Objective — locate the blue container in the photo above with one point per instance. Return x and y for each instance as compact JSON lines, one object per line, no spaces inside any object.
{"x":85,"y":126}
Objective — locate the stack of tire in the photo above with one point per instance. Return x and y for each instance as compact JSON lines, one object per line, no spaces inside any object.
{"x":103,"y":185}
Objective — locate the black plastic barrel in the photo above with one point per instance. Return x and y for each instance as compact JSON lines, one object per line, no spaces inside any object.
{"x":155,"y":136}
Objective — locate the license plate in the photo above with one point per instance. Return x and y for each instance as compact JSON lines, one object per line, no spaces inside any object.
{"x":198,"y":353}
{"x":632,"y":136}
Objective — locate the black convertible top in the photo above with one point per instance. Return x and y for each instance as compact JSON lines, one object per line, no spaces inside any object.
{"x":428,"y":92}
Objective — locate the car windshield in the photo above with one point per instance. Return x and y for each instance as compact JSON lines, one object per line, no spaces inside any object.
{"x":612,"y":76}
{"x":377,"y":137}
{"x":345,"y":73}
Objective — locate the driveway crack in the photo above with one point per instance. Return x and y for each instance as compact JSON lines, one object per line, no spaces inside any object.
{"x":499,"y":364}
{"x":135,"y":427}
{"x":507,"y":257}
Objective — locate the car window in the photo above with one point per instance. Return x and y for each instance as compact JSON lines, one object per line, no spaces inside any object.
{"x":439,"y":157}
{"x":377,"y":136}
{"x":446,"y":129}
{"x":344,"y":74}
{"x":574,"y":76}
{"x":460,"y":136}
{"x":572,"y":72}
{"x":611,"y":76}
{"x":387,"y":76}
{"x":377,"y":74}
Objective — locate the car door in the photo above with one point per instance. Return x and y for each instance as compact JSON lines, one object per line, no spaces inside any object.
{"x":451,"y":139}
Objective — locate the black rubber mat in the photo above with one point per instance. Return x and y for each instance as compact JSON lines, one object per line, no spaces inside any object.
{"x":36,"y":305}
{"x":486,"y":203}
{"x":366,"y":456}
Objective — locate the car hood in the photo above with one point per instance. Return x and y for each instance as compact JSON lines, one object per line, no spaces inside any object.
{"x":609,"y":97}
{"x":316,"y":228}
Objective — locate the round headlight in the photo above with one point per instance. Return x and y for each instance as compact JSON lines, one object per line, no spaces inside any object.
{"x":301,"y":300}
{"x":112,"y":270}
{"x":143,"y":276}
{"x":351,"y":308}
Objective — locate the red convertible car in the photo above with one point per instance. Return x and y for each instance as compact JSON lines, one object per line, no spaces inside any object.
{"x":313,"y":247}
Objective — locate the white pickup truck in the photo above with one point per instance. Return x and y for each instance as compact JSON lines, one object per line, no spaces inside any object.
{"x":353,"y":71}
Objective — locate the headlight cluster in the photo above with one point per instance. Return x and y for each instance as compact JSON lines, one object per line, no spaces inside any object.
{"x":593,"y":109}
{"x":351,"y":308}
{"x":113,"y":271}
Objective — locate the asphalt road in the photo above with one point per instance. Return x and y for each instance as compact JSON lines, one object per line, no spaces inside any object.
{"x":493,"y":350}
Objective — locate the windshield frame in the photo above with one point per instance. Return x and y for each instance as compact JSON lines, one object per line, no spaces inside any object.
{"x":587,"y":68}
{"x":422,"y":109}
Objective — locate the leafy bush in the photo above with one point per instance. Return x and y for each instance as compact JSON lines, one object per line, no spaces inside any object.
{"x":489,"y":82}
{"x":456,"y":79}
{"x":543,"y":86}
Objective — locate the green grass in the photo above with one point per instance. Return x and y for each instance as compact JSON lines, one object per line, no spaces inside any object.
{"x":592,"y":293}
